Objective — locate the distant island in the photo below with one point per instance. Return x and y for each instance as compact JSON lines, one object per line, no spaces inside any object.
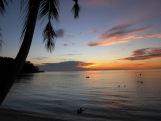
{"x":6,"y":62}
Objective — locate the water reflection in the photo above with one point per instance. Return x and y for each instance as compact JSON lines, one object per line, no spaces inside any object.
{"x":60,"y":94}
{"x":24,"y":78}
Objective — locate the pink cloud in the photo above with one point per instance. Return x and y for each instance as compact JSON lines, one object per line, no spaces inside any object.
{"x":143,"y":54}
{"x":108,"y":41}
{"x":123,"y":34}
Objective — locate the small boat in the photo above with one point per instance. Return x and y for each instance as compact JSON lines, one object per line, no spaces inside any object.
{"x":87,"y":77}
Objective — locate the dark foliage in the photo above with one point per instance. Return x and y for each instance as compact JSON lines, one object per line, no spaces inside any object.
{"x":2,"y":5}
{"x":7,"y":63}
{"x":9,"y":68}
{"x":76,"y":9}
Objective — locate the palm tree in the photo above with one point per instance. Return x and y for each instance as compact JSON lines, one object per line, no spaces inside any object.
{"x":3,"y":3}
{"x":35,"y":8}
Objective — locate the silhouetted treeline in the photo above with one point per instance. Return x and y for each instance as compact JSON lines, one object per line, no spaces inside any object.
{"x":6,"y":63}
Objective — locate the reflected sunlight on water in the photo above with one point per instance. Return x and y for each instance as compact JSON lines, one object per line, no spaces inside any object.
{"x":114,"y":95}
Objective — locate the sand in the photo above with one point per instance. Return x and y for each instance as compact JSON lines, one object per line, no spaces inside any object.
{"x":12,"y":115}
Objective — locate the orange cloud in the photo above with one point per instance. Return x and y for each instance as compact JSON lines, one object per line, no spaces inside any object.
{"x":123,"y":34}
{"x":107,"y":41}
{"x":128,"y":65}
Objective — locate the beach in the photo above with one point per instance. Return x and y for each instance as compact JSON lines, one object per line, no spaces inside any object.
{"x":13,"y":115}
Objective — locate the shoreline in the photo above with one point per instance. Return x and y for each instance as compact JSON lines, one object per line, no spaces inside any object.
{"x":13,"y":115}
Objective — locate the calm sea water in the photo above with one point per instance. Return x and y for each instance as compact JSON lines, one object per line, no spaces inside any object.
{"x":107,"y":95}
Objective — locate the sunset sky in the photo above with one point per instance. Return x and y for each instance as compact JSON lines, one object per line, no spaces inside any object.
{"x":109,"y":34}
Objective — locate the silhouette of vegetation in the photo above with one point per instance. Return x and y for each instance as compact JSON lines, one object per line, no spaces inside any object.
{"x":0,"y":39}
{"x":76,"y":9}
{"x":34,"y":9}
{"x":3,"y":3}
{"x":6,"y":63}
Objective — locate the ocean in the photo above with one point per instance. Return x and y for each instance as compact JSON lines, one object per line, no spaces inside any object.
{"x":120,"y":95}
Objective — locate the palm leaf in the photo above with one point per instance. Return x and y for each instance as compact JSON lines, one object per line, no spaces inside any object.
{"x":76,"y":9}
{"x":49,"y":37}
{"x":2,"y":10}
{"x":1,"y":42}
{"x":49,"y":8}
{"x":26,"y":6}
{"x":2,"y":6}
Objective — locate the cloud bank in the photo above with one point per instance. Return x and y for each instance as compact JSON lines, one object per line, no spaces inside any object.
{"x":123,"y":34}
{"x":66,"y":66}
{"x":143,"y":54}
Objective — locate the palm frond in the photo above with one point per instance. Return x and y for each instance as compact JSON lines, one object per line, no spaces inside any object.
{"x":23,"y":5}
{"x":0,"y":38}
{"x":49,"y":37}
{"x":0,"y":33}
{"x":27,"y":8}
{"x":49,"y":8}
{"x":3,"y":3}
{"x":76,"y":9}
{"x":1,"y":42}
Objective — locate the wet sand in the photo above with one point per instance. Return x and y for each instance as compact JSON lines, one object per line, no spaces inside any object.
{"x":13,"y":115}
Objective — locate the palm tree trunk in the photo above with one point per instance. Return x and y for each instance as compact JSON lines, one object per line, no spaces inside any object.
{"x":20,"y":59}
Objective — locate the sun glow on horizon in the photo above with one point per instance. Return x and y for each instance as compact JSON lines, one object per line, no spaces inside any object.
{"x":102,"y":38}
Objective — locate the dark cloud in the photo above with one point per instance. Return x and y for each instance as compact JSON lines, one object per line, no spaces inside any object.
{"x":121,"y":30}
{"x":60,"y":33}
{"x":69,"y":43}
{"x":143,"y":54}
{"x":72,"y":54}
{"x":65,"y":66}
{"x":65,"y":45}
{"x":93,"y":44}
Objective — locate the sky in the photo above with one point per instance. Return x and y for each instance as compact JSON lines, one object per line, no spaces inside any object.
{"x":109,"y":34}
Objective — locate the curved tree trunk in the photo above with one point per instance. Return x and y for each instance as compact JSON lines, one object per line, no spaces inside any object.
{"x":20,"y":59}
